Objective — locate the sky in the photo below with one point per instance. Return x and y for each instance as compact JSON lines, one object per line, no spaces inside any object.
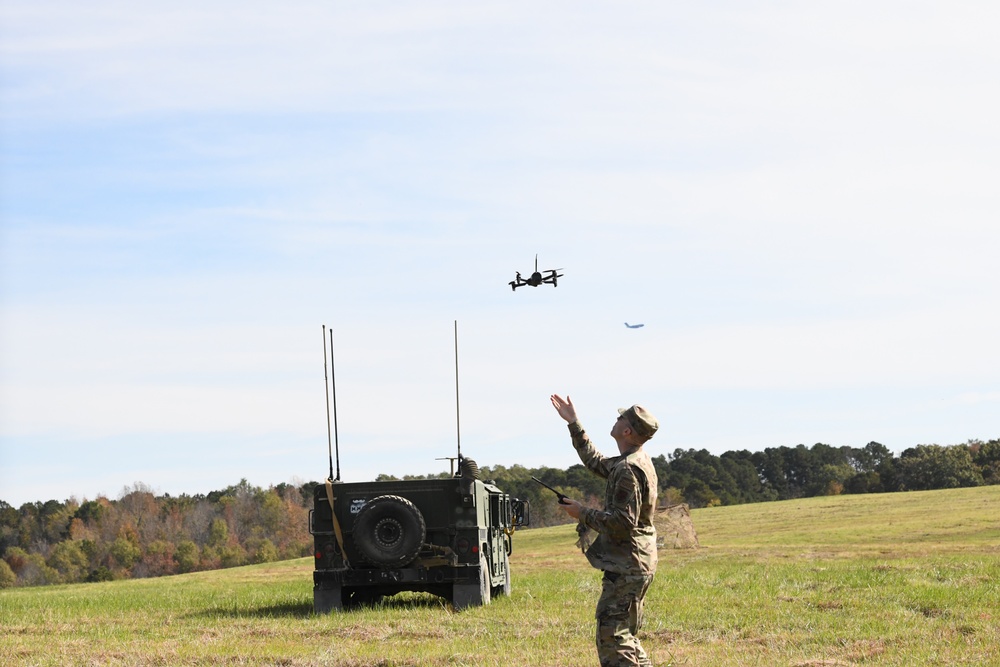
{"x":798,"y":200}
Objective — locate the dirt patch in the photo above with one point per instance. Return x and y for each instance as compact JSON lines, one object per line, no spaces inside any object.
{"x":865,"y":649}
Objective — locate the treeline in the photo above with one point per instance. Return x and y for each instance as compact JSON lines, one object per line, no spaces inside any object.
{"x":144,"y":535}
{"x":702,"y":479}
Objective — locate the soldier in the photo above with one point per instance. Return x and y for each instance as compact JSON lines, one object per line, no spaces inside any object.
{"x":625,"y":547}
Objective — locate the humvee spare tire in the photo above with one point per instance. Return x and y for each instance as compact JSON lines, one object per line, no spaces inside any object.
{"x":389,"y":531}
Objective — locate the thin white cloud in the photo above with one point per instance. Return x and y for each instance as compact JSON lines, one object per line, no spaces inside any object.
{"x":976,"y":397}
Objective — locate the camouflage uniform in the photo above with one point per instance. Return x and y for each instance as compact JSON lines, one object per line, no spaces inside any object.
{"x":625,"y":548}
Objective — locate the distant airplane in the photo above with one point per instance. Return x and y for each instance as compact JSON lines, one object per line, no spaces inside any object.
{"x":634,"y":326}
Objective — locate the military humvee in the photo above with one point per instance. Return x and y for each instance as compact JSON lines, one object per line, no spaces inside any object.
{"x":450,"y":537}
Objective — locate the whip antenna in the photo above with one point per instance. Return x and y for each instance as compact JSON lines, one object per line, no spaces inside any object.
{"x":333,"y":379}
{"x":326,"y":385}
{"x":458,"y":424}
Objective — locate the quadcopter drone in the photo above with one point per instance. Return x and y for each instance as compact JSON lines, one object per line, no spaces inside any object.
{"x":536,"y":278}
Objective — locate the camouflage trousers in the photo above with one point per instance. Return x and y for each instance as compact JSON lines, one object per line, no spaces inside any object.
{"x":619,"y":617}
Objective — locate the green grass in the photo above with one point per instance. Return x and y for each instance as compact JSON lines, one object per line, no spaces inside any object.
{"x":895,"y":579}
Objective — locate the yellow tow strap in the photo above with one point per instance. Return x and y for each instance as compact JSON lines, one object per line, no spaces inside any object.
{"x":336,"y":523}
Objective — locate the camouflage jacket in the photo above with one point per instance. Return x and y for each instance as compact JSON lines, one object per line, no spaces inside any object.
{"x":626,"y":537}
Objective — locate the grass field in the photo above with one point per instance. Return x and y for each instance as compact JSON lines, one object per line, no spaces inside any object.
{"x":901,"y":579}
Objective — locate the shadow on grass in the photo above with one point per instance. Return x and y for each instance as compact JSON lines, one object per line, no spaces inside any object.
{"x":304,"y":608}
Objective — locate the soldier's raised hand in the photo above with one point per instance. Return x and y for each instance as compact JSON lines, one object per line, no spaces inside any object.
{"x":564,"y":407}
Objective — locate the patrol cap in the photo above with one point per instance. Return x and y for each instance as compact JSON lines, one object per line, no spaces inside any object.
{"x":641,"y":421}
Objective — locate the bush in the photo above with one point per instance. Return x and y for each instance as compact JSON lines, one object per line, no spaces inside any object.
{"x":69,"y":559}
{"x":31,"y":569}
{"x":264,"y":552}
{"x":158,"y":560}
{"x":100,"y":574}
{"x":7,"y":576}
{"x":125,"y":552}
{"x":186,"y":554}
{"x":16,"y":558}
{"x":232,"y":556}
